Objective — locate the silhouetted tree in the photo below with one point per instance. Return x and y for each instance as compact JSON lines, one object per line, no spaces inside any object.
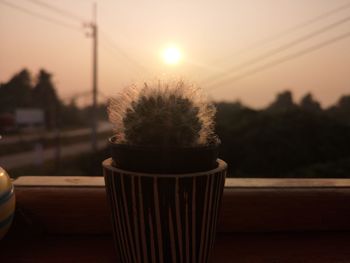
{"x":341,"y":111}
{"x":16,"y":93}
{"x":283,"y":102}
{"x":71,"y":115}
{"x":19,"y":92}
{"x":285,"y":140}
{"x":45,"y":97}
{"x":309,"y":104}
{"x":101,"y":112}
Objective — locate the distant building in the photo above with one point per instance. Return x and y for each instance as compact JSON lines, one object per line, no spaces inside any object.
{"x":29,"y":119}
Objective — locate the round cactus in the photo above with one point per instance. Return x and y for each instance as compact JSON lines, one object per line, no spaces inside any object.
{"x":162,"y":114}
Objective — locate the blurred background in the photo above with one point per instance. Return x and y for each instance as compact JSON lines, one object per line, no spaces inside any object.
{"x":276,"y":69}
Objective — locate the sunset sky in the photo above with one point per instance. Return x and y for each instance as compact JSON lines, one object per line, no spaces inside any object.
{"x":216,"y":39}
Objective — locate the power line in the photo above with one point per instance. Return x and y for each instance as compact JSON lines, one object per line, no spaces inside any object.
{"x":67,"y":14}
{"x":76,"y":95}
{"x":294,"y":28}
{"x":40,"y":16}
{"x":280,"y":49}
{"x":84,"y":94}
{"x":120,"y":53}
{"x":285,"y":59}
{"x":60,"y":11}
{"x":115,"y":47}
{"x":93,"y":35}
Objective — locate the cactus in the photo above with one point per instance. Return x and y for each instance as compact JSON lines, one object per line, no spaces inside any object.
{"x":166,"y":114}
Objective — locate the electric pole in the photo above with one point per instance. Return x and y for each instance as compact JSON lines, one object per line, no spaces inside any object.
{"x":94,"y":36}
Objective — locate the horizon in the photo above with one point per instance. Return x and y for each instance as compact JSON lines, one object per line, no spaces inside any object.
{"x":295,"y":101}
{"x":128,"y":55}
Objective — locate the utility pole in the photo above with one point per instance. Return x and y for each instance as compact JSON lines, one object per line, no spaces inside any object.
{"x":94,"y":36}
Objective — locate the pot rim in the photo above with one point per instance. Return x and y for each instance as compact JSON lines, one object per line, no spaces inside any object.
{"x":222,"y":165}
{"x":168,"y":148}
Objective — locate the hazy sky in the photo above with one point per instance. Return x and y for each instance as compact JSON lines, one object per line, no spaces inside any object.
{"x":216,"y":37}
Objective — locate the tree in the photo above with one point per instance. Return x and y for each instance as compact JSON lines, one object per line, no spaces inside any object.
{"x":283,"y":102}
{"x":285,"y":140}
{"x":309,"y":104}
{"x":45,"y":97}
{"x":71,"y":115}
{"x":341,"y":111}
{"x":16,"y":93}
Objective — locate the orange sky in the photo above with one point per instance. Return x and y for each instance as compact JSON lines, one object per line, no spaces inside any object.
{"x":211,"y":34}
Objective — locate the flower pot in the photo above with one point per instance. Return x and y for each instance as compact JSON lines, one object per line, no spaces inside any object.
{"x":152,"y":159}
{"x":164,"y":217}
{"x":7,"y":202}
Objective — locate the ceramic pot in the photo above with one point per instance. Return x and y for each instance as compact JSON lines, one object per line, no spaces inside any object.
{"x":7,"y":202}
{"x":164,"y":217}
{"x":155,"y":159}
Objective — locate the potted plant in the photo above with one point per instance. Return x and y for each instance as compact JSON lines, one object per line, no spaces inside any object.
{"x":164,"y":182}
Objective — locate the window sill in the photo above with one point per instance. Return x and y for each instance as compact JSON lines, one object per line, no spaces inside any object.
{"x":262,"y":220}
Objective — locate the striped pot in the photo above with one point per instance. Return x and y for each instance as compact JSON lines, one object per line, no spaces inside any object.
{"x":7,"y":202}
{"x":164,"y":218}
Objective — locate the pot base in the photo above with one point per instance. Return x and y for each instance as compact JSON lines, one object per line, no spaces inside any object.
{"x":164,"y":217}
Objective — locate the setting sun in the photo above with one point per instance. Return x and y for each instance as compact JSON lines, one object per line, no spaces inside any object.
{"x":171,"y":55}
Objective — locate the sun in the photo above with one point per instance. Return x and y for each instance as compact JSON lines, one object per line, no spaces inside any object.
{"x":171,"y":55}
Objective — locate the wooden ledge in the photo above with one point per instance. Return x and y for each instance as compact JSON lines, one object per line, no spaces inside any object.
{"x":61,"y":219}
{"x":60,"y":181}
{"x":77,"y":205}
{"x":98,"y":181}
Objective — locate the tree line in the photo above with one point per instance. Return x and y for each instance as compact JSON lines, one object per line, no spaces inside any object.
{"x":22,"y":92}
{"x":286,"y":139}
